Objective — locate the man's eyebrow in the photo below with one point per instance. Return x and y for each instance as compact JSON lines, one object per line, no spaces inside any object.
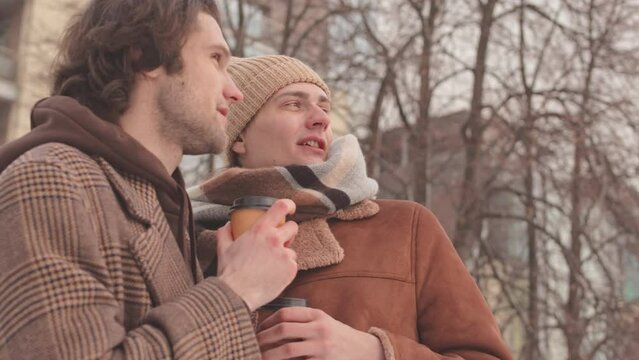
{"x":301,"y":95}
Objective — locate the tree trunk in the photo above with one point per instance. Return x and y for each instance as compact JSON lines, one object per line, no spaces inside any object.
{"x":531,"y":350}
{"x":287,"y":32}
{"x":240,"y":32}
{"x":574,"y":328}
{"x":375,"y":139}
{"x":468,"y":226}
{"x":421,"y":149}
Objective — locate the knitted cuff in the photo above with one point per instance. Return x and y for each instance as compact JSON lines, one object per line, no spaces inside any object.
{"x":389,"y":351}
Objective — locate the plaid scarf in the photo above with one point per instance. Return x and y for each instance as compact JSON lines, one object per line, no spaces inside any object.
{"x":338,"y":187}
{"x":318,"y":190}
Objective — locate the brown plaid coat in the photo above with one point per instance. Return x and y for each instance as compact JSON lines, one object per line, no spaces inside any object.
{"x":90,"y":269}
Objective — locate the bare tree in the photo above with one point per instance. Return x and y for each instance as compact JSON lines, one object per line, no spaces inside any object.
{"x":428,"y":22}
{"x":539,"y":159}
{"x":468,"y":227}
{"x":386,"y":84}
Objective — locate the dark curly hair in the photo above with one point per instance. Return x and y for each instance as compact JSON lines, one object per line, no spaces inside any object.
{"x":112,"y":40}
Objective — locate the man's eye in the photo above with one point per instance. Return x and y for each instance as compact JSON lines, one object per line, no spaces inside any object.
{"x":216,"y":57}
{"x":294,"y":104}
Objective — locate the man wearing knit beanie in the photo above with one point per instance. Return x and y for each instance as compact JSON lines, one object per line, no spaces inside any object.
{"x":380,"y":277}
{"x":296,"y":85}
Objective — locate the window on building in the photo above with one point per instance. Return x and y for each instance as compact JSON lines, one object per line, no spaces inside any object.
{"x":631,"y":277}
{"x":10,"y":18}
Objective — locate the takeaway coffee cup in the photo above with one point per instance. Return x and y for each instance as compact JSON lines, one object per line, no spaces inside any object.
{"x":279,"y":303}
{"x":246,"y":210}
{"x":267,"y":310}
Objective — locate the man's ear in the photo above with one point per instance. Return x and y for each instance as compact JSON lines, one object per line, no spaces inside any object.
{"x":239,"y":146}
{"x":140,"y":62}
{"x":154,"y":74}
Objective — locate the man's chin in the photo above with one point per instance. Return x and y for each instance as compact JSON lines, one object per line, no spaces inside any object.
{"x":309,"y":161}
{"x":212,"y":145}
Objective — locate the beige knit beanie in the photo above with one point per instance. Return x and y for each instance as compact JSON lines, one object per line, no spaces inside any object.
{"x":259,"y":78}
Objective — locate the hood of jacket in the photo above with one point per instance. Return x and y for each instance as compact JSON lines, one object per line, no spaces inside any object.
{"x":64,"y":120}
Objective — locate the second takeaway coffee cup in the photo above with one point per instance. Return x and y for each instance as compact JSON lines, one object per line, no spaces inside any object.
{"x":246,"y":210}
{"x":279,"y":303}
{"x":269,"y":309}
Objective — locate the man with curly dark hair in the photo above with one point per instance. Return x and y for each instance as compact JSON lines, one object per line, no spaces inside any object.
{"x":98,"y":254}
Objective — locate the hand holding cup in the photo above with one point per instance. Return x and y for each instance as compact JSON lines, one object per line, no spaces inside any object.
{"x":258,"y":265}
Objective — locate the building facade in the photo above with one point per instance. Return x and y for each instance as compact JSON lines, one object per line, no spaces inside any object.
{"x":30,"y":31}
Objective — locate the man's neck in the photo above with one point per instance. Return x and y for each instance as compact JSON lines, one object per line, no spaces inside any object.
{"x":139,"y":122}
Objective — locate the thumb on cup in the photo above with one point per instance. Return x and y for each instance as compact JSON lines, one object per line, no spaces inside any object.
{"x":224,"y":237}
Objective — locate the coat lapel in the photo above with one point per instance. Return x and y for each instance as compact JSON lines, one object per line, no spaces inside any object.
{"x":154,"y":248}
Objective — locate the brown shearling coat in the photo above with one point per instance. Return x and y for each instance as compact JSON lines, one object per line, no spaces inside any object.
{"x":402,"y":280}
{"x":89,"y":268}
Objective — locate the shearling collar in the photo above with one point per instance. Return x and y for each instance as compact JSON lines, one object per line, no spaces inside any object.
{"x":315,"y":244}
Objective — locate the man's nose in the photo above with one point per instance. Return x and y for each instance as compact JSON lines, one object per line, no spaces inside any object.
{"x":231,"y":92}
{"x":318,"y":118}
